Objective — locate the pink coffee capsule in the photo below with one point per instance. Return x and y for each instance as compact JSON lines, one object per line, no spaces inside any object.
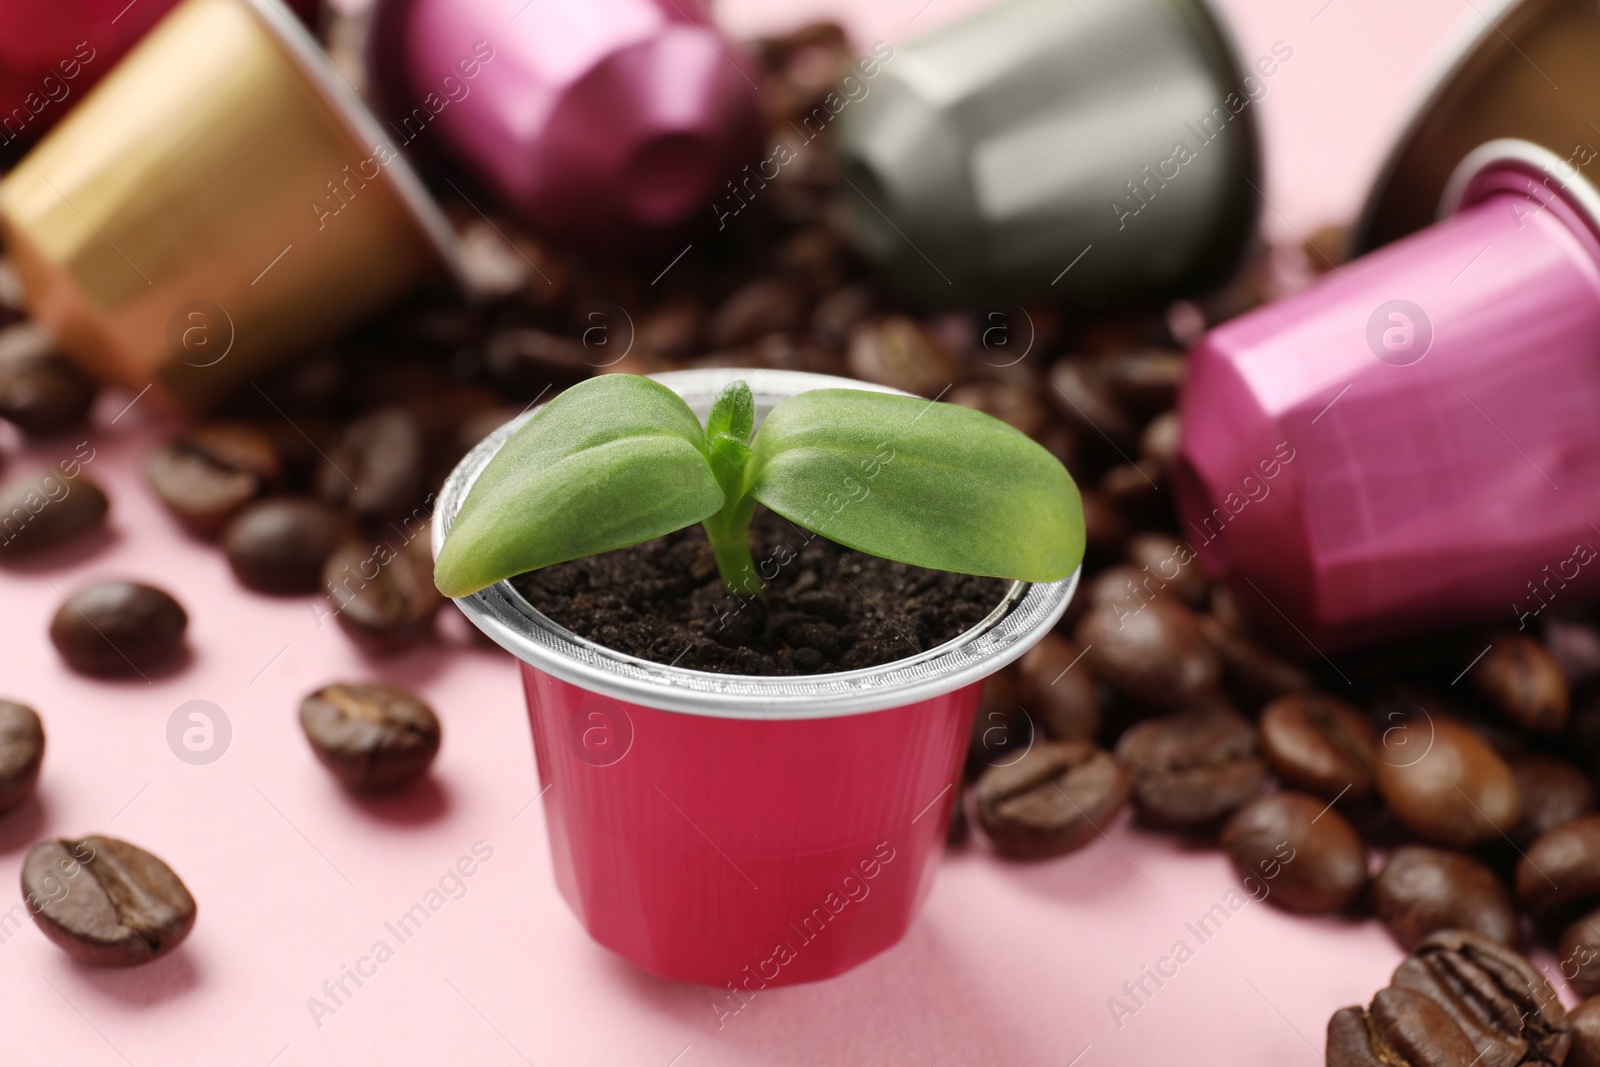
{"x":599,"y":121}
{"x":1413,"y":442}
{"x":52,"y":53}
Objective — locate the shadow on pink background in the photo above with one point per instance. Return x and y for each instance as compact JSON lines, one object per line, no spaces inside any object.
{"x":1010,"y":964}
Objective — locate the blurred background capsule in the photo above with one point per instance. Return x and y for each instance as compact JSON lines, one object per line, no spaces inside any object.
{"x":608,"y":123}
{"x":1092,"y":150}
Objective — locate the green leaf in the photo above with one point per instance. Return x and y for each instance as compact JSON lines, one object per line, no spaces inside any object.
{"x":935,"y":485}
{"x":733,"y":414}
{"x":611,"y":462}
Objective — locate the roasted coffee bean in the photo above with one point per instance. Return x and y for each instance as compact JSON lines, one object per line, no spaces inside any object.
{"x":1305,"y":855}
{"x":1445,"y":782}
{"x":1585,"y":1023}
{"x":1523,"y":680}
{"x":1553,"y":791}
{"x":1154,"y":655}
{"x":280,"y":545}
{"x":1052,"y":800}
{"x":760,"y":307}
{"x":897,"y":352}
{"x":118,"y":628}
{"x":838,"y":313}
{"x":1160,"y":438}
{"x":372,"y":737}
{"x":1423,"y":890}
{"x":528,"y":360}
{"x":1401,"y":1029}
{"x":1002,"y":725}
{"x":1148,"y":380}
{"x":1172,"y":563}
{"x":1562,"y":867}
{"x":1191,"y":768}
{"x":1058,"y":690}
{"x":1504,"y":1006}
{"x":1580,"y":954}
{"x":1011,"y":405}
{"x":376,"y":468}
{"x":1320,"y":744}
{"x":40,"y":391}
{"x":1575,"y":646}
{"x":672,"y":328}
{"x":213,"y":470}
{"x":1105,"y":530}
{"x":106,"y":902}
{"x":47,"y":509}
{"x":21,"y":752}
{"x":1135,"y":488}
{"x":1081,"y":400}
{"x":1252,"y":672}
{"x":383,"y":597}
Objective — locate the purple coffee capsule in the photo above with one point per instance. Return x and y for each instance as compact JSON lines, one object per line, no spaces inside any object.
{"x":602,"y":122}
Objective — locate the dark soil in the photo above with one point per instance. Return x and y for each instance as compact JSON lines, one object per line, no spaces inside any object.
{"x":828,"y":608}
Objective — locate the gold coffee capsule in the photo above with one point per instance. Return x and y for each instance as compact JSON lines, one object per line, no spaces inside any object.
{"x":219,"y":201}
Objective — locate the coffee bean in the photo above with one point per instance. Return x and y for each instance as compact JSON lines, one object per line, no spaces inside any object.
{"x":1575,"y":646}
{"x":1105,"y":530}
{"x":1401,"y":1029}
{"x":40,"y":391}
{"x":1011,"y":405}
{"x":760,"y":307}
{"x":1553,"y":791}
{"x":1154,"y":655}
{"x":1136,"y":489}
{"x":1504,"y":1006}
{"x":47,"y":509}
{"x":1193,"y":767}
{"x":1080,"y":397}
{"x":213,"y":470}
{"x":897,"y":352}
{"x":1171,"y":562}
{"x":280,"y":545}
{"x":106,"y":902}
{"x":1148,"y":380}
{"x":383,"y":597}
{"x":1001,"y":726}
{"x":118,"y":628}
{"x":372,"y":737}
{"x":1446,"y":783}
{"x":1580,"y":954}
{"x":1251,"y":670}
{"x":1305,"y":853}
{"x":840,"y":312}
{"x":1523,"y":680}
{"x":376,"y":468}
{"x":1058,"y":690}
{"x":1159,"y":441}
{"x":1053,"y":800}
{"x":1561,"y":867}
{"x":672,"y":328}
{"x":527,"y":360}
{"x":1585,"y":1023}
{"x":1320,"y":744}
{"x":1422,"y":890}
{"x":21,"y":752}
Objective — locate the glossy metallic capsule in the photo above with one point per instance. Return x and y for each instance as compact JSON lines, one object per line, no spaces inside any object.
{"x":1528,"y":69}
{"x":1097,"y":149}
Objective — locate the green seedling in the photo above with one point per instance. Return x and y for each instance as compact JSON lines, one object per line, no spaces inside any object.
{"x":620,"y":459}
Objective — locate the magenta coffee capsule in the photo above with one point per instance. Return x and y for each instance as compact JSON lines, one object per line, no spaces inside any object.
{"x":1412,"y":442}
{"x":598,"y":121}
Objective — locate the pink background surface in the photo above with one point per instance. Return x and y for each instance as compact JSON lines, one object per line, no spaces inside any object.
{"x":1009,"y":964}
